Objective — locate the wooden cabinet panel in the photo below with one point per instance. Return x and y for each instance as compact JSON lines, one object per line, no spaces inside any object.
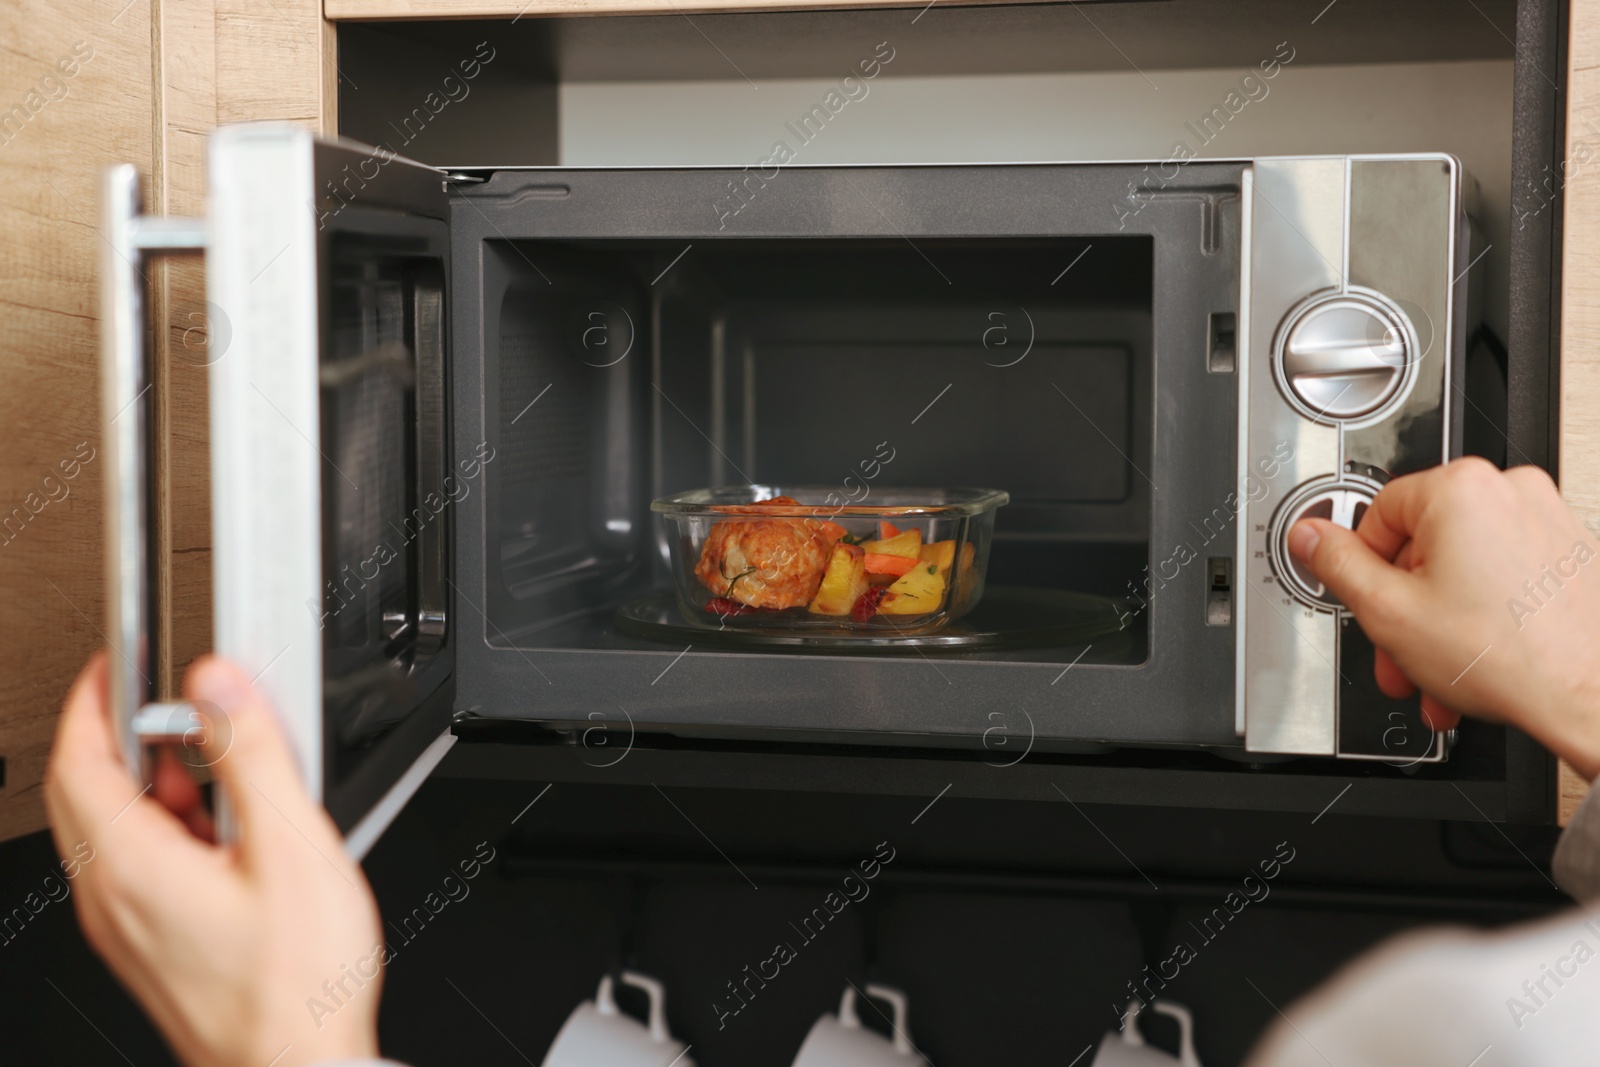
{"x":219,"y":62}
{"x":149,"y":81}
{"x":1580,"y":299}
{"x":185,"y":111}
{"x":75,"y":95}
{"x":1570,"y":791}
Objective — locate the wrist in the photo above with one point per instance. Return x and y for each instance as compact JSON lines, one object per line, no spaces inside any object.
{"x":351,"y":1047}
{"x":1570,"y":727}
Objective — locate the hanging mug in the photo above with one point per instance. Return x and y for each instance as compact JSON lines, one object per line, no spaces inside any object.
{"x":1128,"y":1048}
{"x":841,"y":1041}
{"x":599,"y":1034}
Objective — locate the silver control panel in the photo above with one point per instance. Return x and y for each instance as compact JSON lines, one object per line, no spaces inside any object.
{"x":1351,"y":335}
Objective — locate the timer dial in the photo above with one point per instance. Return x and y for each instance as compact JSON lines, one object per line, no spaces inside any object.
{"x":1343,"y":501}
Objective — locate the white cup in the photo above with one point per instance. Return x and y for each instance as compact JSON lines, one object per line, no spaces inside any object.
{"x":841,"y":1041}
{"x":1128,"y":1048}
{"x":598,"y":1034}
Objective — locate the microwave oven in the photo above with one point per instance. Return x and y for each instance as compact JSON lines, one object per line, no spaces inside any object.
{"x":442,"y":403}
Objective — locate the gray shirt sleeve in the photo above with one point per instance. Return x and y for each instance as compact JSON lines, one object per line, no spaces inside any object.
{"x":1528,"y":996}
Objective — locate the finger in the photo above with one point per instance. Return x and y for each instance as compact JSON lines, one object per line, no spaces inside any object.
{"x":257,"y":768}
{"x":1392,"y":518}
{"x":1437,"y":716}
{"x":73,"y":744}
{"x":94,"y":801}
{"x":1381,"y":596}
{"x":87,"y":785}
{"x":85,"y":726}
{"x":1391,"y":679}
{"x":1403,"y":559}
{"x":177,"y":791}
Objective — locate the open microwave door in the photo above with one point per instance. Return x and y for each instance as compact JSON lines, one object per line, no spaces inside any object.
{"x":330,"y":456}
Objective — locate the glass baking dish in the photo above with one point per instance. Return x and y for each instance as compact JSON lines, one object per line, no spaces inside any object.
{"x":796,"y":558}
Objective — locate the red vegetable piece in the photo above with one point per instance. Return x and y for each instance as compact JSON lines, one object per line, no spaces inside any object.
{"x":866,"y":604}
{"x":722,"y":605}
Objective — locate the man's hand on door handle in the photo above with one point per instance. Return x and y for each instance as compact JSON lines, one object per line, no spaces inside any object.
{"x":223,"y":946}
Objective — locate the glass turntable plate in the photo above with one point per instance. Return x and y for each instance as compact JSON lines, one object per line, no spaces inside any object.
{"x":1007,"y":617}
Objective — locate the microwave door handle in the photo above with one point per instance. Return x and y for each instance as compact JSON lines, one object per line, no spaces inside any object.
{"x":131,"y":238}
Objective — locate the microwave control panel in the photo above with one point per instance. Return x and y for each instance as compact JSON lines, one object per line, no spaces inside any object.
{"x":1352,"y":316}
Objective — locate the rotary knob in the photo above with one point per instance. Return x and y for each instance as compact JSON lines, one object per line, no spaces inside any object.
{"x":1344,"y":356}
{"x":1343,"y":501}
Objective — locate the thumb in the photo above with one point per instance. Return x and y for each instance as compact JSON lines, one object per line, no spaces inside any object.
{"x":253,"y":761}
{"x":1378,"y":593}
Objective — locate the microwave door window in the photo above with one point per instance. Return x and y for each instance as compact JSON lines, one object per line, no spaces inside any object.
{"x":381,"y":408}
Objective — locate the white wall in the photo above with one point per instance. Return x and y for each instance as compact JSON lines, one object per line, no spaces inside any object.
{"x":1460,"y":107}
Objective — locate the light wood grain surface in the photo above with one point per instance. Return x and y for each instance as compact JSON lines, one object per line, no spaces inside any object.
{"x":1570,"y":791}
{"x":1580,"y":302}
{"x":220,"y":61}
{"x":184,"y":42}
{"x":53,"y":609}
{"x":160,"y":75}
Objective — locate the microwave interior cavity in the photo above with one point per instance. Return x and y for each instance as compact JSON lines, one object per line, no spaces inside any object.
{"x":621,"y":371}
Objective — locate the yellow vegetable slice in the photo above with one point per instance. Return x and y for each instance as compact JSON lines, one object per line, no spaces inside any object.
{"x":908,"y":544}
{"x":917,"y":592}
{"x":842,"y":583}
{"x":942,"y":554}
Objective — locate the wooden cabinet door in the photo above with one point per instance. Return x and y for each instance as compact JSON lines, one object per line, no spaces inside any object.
{"x":84,"y":85}
{"x":75,"y":95}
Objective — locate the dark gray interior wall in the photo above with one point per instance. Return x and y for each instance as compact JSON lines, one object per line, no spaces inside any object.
{"x":461,"y":97}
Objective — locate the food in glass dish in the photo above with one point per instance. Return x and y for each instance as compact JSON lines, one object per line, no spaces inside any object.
{"x":779,"y":563}
{"x":792,"y":558}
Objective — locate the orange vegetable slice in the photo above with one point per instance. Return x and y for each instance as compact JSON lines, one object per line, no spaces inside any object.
{"x":887,"y":529}
{"x":882,"y":563}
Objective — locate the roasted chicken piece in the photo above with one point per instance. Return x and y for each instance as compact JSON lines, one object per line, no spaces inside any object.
{"x":766,"y":563}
